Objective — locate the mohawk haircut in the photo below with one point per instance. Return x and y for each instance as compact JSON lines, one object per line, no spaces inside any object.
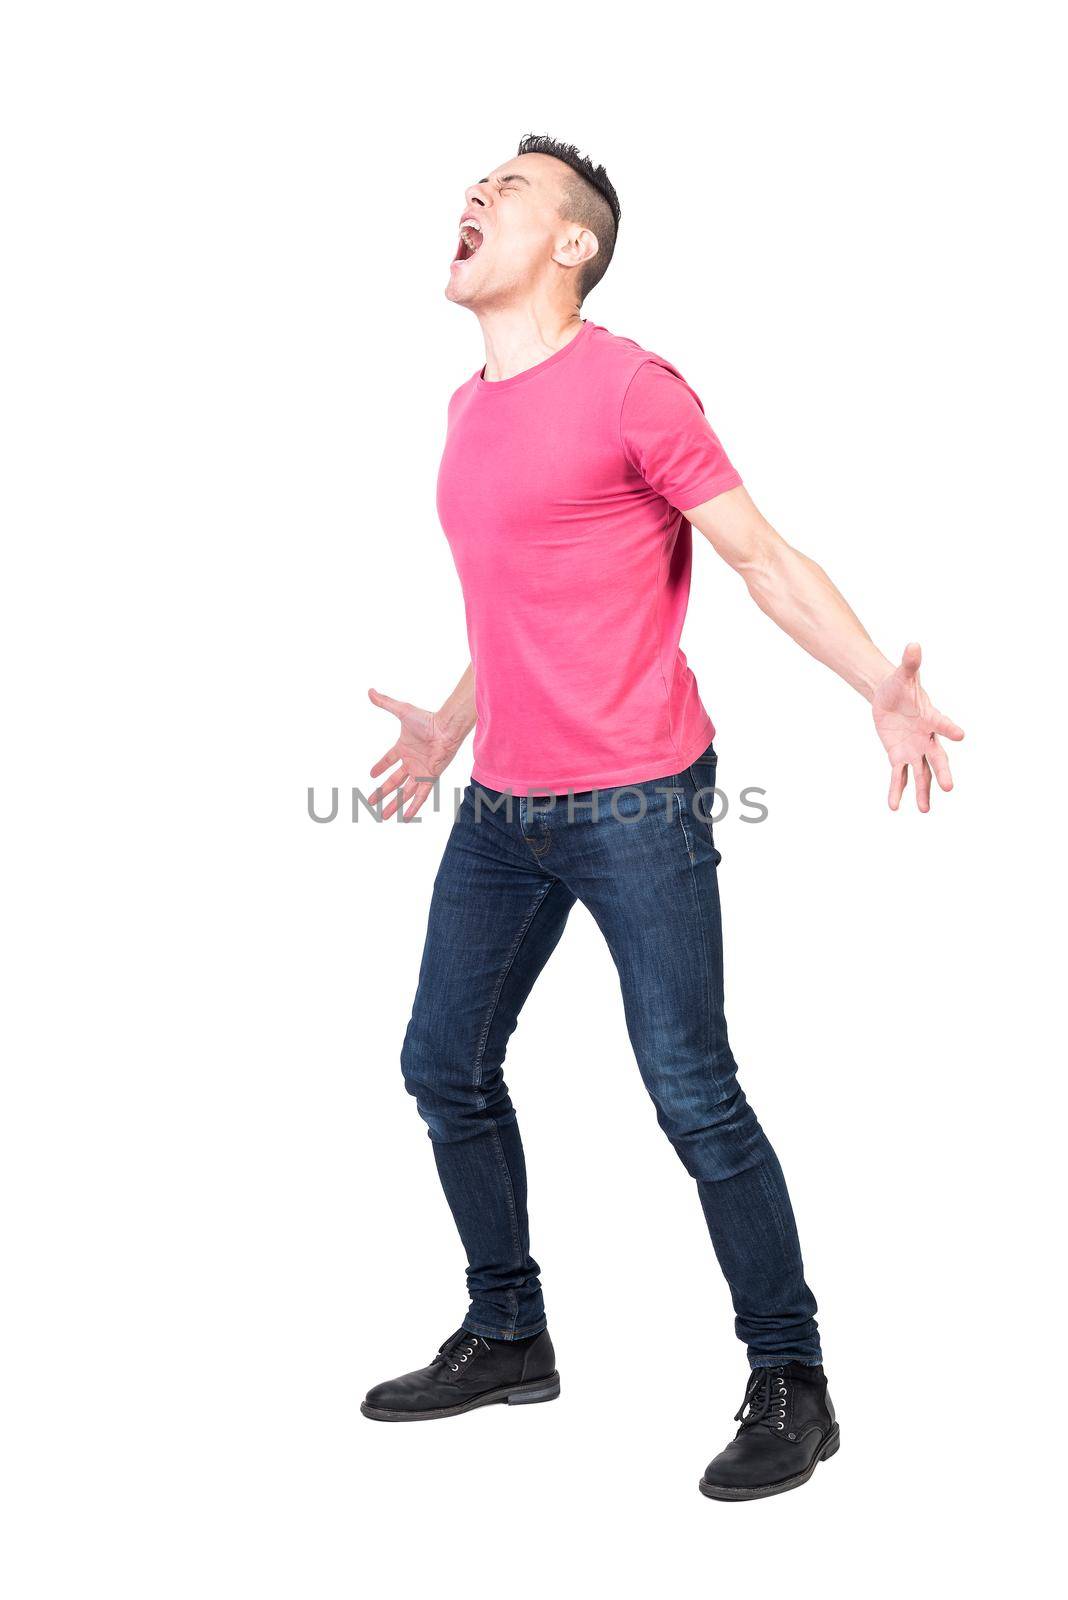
{"x":589,"y":199}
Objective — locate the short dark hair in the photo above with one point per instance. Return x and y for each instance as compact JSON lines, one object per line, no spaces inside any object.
{"x":592,"y":202}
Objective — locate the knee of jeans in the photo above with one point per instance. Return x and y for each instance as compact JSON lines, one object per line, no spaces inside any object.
{"x":424,"y":1068}
{"x":715,"y":1134}
{"x":448,"y":1094}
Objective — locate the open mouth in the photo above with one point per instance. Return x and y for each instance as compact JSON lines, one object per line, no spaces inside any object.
{"x":470,"y":241}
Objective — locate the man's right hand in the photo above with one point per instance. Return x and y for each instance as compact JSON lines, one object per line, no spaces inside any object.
{"x":425,"y":743}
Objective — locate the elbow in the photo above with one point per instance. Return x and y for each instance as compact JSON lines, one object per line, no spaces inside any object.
{"x":762,"y":572}
{"x":778,"y":576}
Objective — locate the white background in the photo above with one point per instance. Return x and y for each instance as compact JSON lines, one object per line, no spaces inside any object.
{"x":226,"y":359}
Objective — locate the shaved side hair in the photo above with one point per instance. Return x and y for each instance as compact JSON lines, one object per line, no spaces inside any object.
{"x":589,"y":199}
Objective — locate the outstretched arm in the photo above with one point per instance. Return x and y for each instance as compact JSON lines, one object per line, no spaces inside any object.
{"x":425,"y":743}
{"x":798,"y":595}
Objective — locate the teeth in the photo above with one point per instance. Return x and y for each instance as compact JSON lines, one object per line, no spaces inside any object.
{"x":468,"y":228}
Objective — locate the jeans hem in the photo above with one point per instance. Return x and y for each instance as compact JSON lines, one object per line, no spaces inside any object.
{"x":784,"y":1361}
{"x":507,"y":1334}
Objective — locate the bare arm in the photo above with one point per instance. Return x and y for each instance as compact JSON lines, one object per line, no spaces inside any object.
{"x":425,"y":743}
{"x":799,"y":596}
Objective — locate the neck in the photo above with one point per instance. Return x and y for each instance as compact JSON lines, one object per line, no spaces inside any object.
{"x":518,"y":337}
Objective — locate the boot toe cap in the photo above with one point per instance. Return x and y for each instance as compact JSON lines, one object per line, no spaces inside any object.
{"x":385,"y":1396}
{"x":411,"y":1392}
{"x":727,"y":1471}
{"x":753,"y":1461}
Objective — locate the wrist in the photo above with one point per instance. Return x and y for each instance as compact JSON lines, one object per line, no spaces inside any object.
{"x":874,"y":672}
{"x":454,"y":722}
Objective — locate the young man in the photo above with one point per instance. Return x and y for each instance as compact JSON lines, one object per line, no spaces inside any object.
{"x":574,"y":466}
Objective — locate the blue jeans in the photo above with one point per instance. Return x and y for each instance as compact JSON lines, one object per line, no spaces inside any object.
{"x":642,"y":859}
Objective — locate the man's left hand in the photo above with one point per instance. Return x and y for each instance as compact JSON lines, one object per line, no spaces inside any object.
{"x":909,"y":726}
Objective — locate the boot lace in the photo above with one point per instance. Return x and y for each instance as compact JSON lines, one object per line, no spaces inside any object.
{"x":765,"y":1400}
{"x":461,"y":1348}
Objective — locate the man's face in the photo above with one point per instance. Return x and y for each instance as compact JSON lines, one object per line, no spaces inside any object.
{"x":510,"y":229}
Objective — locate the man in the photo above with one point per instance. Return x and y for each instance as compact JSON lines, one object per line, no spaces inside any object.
{"x":574,"y":466}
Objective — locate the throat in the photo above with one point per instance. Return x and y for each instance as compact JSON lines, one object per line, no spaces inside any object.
{"x":516,"y":344}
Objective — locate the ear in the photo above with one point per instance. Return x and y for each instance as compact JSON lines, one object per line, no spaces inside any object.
{"x":576,"y":248}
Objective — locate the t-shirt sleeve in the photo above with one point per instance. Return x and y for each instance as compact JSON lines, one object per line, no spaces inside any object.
{"x":667,"y":438}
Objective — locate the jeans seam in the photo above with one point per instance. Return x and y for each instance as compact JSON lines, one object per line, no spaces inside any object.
{"x":513,"y":1217}
{"x":477,"y":1077}
{"x":524,"y":929}
{"x":701,"y":925}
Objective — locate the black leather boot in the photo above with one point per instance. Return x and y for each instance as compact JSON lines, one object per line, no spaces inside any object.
{"x":787,"y":1425}
{"x":469,"y":1371}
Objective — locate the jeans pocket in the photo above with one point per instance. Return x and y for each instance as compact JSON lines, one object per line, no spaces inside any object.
{"x":703,"y":770}
{"x":702,"y":798}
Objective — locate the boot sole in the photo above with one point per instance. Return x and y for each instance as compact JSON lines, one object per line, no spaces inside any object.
{"x":518,"y":1394}
{"x":716,"y":1491}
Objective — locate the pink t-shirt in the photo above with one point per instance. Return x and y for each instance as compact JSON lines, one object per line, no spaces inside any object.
{"x":558,"y":492}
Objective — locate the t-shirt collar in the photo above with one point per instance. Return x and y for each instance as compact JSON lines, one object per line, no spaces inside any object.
{"x":489,"y":386}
